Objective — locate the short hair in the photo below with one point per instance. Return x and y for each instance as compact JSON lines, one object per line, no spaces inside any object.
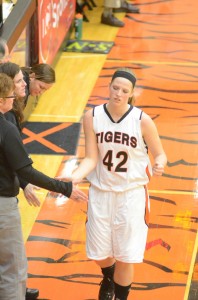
{"x":6,"y":85}
{"x":43,"y":72}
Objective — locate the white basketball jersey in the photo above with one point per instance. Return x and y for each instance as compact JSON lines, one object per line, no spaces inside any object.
{"x":123,"y":155}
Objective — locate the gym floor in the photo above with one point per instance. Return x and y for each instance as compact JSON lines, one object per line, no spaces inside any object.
{"x":160,"y":45}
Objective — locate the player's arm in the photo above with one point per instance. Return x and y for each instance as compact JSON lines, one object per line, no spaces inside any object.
{"x":91,"y":149}
{"x":152,"y":139}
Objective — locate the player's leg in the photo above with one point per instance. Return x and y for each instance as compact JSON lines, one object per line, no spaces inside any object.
{"x":129,"y":238}
{"x":106,"y":291}
{"x":115,"y":282}
{"x":123,"y":277}
{"x":99,"y":239}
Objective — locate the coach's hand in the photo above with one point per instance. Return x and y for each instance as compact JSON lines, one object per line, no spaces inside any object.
{"x":30,"y":195}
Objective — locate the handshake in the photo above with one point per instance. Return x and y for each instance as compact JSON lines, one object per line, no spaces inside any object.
{"x":77,"y":194}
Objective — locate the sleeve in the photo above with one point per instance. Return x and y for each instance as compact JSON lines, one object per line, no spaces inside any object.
{"x":15,"y":151}
{"x":39,"y":179}
{"x":23,"y":183}
{"x":20,"y":162}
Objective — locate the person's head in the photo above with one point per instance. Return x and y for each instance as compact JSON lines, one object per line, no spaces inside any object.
{"x":13,"y":70}
{"x":122,"y":85}
{"x":6,"y":93}
{"x":4,"y":51}
{"x":42,"y":77}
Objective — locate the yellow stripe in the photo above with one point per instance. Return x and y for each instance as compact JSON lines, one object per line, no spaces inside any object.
{"x":191,"y":268}
{"x":173,"y":192}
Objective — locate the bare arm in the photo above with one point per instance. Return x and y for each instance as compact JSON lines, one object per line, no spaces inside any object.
{"x":91,"y":149}
{"x":151,"y":137}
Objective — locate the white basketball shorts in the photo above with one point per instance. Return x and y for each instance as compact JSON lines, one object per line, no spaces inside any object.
{"x":116,"y":225}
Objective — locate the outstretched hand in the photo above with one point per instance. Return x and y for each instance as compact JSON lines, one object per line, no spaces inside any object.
{"x":30,"y":195}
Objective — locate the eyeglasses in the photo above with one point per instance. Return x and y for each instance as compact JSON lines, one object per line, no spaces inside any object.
{"x":14,"y":97}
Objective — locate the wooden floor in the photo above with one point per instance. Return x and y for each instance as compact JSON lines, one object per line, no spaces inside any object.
{"x":160,"y":45}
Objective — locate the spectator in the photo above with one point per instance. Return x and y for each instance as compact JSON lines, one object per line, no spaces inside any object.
{"x":15,"y":115}
{"x":111,"y":6}
{"x":39,"y":79}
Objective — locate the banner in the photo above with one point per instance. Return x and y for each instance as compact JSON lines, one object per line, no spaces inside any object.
{"x":55,"y":18}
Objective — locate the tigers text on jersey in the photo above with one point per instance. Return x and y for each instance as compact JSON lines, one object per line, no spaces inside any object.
{"x":123,"y":155}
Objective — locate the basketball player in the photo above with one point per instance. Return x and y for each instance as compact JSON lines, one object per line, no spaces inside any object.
{"x":117,"y":139}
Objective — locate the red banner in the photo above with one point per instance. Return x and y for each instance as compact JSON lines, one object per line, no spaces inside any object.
{"x":55,"y":18}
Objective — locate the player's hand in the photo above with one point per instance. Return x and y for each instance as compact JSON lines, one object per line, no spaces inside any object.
{"x":78,"y":195}
{"x":64,"y":178}
{"x":158,"y":169}
{"x":69,"y":179}
{"x":30,"y":195}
